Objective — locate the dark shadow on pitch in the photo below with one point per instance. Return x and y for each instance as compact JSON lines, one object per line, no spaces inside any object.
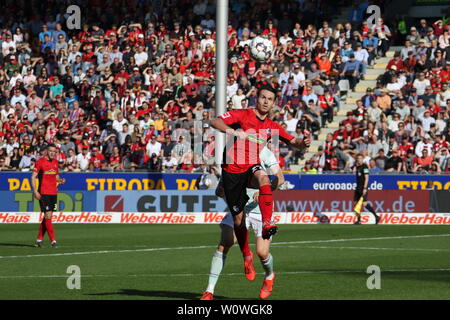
{"x":155,"y":294}
{"x":16,"y":245}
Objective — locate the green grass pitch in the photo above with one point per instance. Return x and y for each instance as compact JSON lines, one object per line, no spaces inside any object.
{"x":172,"y":262}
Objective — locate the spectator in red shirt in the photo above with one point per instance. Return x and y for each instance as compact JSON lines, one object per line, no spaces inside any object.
{"x":423,"y":163}
{"x":97,"y":160}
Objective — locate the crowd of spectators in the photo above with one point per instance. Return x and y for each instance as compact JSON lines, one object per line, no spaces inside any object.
{"x":402,"y":124}
{"x":134,"y":88}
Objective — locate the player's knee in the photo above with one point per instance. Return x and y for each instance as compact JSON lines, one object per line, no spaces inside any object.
{"x":48,"y":215}
{"x":238,"y":221}
{"x":263,"y":179}
{"x":226,"y":244}
{"x":262,"y":253}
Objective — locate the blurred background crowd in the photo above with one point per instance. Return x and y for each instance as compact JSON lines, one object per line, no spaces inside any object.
{"x":135,"y":86}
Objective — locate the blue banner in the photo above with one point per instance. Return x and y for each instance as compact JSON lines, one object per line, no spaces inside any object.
{"x":20,"y":181}
{"x":376,"y":182}
{"x":105,"y":181}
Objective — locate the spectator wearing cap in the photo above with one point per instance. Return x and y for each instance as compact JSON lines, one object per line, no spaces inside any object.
{"x":368,"y":98}
{"x":395,"y":163}
{"x":422,"y":50}
{"x":426,"y":119}
{"x":208,"y":40}
{"x":424,"y":144}
{"x":384,"y":101}
{"x":430,"y":36}
{"x":414,"y":37}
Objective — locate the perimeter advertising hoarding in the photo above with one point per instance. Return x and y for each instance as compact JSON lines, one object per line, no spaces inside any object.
{"x":216,"y":217}
{"x":20,"y":181}
{"x":207,"y":201}
{"x":342,"y":201}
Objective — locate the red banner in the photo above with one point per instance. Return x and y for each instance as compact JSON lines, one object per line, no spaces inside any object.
{"x":406,"y":201}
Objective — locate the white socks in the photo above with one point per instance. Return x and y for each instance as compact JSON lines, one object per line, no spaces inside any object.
{"x":217,"y":263}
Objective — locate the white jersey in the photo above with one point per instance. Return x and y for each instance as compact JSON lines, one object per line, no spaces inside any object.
{"x":268,"y":161}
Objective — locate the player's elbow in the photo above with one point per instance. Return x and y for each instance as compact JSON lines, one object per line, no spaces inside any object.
{"x":215,"y":123}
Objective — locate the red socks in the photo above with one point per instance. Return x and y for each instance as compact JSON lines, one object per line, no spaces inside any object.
{"x":42,"y":230}
{"x":242,"y":238}
{"x":49,"y":227}
{"x":265,"y":203}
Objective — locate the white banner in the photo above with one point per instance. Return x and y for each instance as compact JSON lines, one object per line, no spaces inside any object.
{"x":216,"y":217}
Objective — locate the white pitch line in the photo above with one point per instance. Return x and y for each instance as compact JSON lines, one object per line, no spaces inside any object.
{"x":371,"y":248}
{"x":365,"y":239}
{"x":156,"y":275}
{"x":208,"y":247}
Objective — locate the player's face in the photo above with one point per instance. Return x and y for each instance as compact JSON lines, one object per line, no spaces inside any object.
{"x":266,"y":100}
{"x":359,"y":160}
{"x":51,"y":152}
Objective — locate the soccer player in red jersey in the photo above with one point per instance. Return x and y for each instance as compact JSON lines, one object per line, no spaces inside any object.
{"x":242,"y":162}
{"x":46,"y":171}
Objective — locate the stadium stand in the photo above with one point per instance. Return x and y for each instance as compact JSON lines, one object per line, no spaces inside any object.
{"x":126,"y":96}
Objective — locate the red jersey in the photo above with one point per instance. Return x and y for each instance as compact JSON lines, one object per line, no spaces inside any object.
{"x":47,"y":171}
{"x":245,"y":154}
{"x":97,"y":160}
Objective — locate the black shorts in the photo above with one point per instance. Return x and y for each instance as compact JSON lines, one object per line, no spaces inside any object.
{"x":359,"y":194}
{"x":235,"y":188}
{"x":48,"y":202}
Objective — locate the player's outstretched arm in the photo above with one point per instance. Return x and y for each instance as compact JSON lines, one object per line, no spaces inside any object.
{"x":300,"y":143}
{"x":220,"y":125}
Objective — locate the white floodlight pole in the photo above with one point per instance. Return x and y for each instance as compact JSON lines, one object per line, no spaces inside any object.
{"x":221,"y":71}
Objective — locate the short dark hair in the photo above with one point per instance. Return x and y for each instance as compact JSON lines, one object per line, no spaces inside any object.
{"x":268,"y":88}
{"x":50,"y":145}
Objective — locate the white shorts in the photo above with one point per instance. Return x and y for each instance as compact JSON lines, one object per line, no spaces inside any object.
{"x":252,"y":221}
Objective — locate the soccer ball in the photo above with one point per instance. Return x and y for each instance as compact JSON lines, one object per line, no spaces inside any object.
{"x":261,"y":48}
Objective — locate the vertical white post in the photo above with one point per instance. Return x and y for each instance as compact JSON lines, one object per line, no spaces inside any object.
{"x":221,"y":71}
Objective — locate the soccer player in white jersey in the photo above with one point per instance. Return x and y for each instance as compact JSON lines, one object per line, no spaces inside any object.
{"x":253,"y":220}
